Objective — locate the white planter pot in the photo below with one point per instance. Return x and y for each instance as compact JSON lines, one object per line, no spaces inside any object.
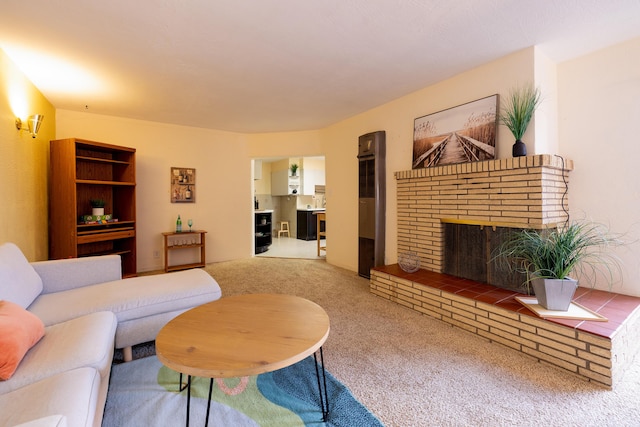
{"x":97,"y":211}
{"x":555,"y":294}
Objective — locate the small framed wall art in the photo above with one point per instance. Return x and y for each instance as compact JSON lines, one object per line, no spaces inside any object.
{"x":183,"y":185}
{"x":466,"y":133}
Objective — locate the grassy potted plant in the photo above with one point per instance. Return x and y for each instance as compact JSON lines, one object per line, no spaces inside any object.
{"x":294,"y":169}
{"x":549,"y":256}
{"x":517,"y":113}
{"x":97,"y":207}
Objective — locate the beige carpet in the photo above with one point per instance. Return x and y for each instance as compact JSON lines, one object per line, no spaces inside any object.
{"x":411,"y":370}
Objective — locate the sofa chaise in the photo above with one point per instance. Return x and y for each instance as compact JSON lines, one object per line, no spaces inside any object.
{"x":60,"y":322}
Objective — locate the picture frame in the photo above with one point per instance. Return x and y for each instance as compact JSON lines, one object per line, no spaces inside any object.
{"x":461,"y":134}
{"x":183,"y":185}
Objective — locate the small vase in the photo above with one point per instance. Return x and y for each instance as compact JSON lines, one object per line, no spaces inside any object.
{"x":519,"y":149}
{"x":97,"y":211}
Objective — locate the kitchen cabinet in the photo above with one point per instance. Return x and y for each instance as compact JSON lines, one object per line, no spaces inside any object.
{"x":257,"y":169}
{"x":283,"y":184}
{"x":307,"y":228}
{"x":263,"y":227}
{"x":310,"y":173}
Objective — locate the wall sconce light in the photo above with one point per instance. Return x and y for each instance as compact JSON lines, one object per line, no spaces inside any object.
{"x":33,"y":123}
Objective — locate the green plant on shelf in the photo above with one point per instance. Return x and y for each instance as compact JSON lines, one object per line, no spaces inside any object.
{"x":97,"y":203}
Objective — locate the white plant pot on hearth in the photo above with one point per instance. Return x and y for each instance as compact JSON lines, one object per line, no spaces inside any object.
{"x":554,"y":294}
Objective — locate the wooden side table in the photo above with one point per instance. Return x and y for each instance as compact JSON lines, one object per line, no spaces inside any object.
{"x":184,"y":240}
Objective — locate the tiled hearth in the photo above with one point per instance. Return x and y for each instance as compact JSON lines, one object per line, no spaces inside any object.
{"x":596,"y":351}
{"x":524,"y":192}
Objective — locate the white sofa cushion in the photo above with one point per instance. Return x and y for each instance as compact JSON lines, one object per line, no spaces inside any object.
{"x":80,"y":342}
{"x":132,"y":298}
{"x":64,"y":274}
{"x":50,"y":421}
{"x":72,"y":394}
{"x":19,"y":282}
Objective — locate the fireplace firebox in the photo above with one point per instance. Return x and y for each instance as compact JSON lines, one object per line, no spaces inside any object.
{"x":470,"y":253}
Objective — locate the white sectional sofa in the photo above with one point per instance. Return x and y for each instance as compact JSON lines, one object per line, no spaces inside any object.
{"x":87,"y":310}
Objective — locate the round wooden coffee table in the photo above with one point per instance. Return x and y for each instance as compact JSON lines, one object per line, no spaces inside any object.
{"x":245,"y":335}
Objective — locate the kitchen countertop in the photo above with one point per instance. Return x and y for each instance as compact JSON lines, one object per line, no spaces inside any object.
{"x":263,"y":211}
{"x":312,"y":209}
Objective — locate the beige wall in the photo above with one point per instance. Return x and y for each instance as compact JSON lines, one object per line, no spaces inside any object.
{"x":545,"y":122}
{"x":23,"y":163}
{"x":397,"y":119}
{"x":339,"y":145}
{"x":599,"y":109}
{"x":313,"y":163}
{"x":224,"y":202}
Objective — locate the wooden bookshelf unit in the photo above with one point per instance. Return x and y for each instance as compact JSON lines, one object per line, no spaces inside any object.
{"x":83,"y":170}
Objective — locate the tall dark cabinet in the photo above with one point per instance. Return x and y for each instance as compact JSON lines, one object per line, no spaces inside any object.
{"x":371,"y":201}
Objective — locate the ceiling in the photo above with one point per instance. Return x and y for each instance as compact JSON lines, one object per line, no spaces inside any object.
{"x":281,"y":65}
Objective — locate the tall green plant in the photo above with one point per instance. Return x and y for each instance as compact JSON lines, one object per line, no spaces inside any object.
{"x":581,"y":248}
{"x":518,"y":109}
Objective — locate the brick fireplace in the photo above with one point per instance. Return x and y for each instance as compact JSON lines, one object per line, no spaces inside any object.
{"x":525,"y":192}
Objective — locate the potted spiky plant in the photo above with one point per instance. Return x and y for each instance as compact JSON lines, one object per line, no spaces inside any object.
{"x":549,"y":256}
{"x":517,"y":112}
{"x":294,"y":169}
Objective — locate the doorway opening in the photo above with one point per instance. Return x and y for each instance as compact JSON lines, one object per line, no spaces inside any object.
{"x":288,"y":198}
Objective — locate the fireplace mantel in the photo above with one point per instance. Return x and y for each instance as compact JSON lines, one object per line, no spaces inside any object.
{"x":527,"y":192}
{"x":540,"y":160}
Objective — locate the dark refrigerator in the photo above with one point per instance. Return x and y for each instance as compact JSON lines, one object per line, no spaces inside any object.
{"x":372,"y":201}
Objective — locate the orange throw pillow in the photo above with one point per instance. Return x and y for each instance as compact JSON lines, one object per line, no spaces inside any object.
{"x":19,"y":331}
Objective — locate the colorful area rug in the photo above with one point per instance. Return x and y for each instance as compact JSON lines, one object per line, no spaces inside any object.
{"x":144,"y":392}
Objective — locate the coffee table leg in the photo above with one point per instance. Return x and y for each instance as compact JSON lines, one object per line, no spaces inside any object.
{"x":182,"y":387}
{"x":206,"y":422}
{"x":324,"y":398}
{"x":188,"y":387}
{"x":188,"y":397}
